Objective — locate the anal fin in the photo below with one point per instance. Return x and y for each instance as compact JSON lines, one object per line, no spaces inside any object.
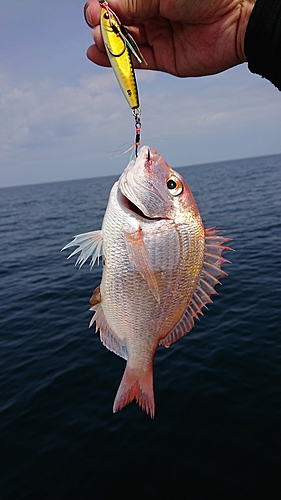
{"x":109,"y":338}
{"x":184,"y":326}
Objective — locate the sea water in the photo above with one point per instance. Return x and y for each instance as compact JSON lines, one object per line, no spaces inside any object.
{"x":216,"y":433}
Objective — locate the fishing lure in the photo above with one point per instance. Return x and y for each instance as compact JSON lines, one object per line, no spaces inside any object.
{"x":119,"y":45}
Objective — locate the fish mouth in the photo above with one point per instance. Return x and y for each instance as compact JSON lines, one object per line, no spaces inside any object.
{"x":128,"y":205}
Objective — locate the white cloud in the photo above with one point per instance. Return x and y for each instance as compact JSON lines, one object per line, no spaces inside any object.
{"x":51,"y":132}
{"x":57,"y":124}
{"x":202,"y":109}
{"x":45,"y":113}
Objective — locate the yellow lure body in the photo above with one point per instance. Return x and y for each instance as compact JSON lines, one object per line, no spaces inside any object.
{"x":119,"y":56}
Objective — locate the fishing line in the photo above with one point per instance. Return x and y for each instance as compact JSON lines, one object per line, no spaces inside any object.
{"x":119,"y":45}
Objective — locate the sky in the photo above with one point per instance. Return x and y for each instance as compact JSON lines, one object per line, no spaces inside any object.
{"x":63,"y":118}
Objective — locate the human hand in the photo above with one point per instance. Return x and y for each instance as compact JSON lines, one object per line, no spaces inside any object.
{"x":181,"y":37}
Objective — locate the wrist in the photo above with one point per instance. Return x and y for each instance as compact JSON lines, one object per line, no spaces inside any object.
{"x":263,"y":41}
{"x":246,"y":11}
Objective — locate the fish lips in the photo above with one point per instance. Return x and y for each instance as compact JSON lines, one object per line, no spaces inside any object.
{"x":145,"y":190}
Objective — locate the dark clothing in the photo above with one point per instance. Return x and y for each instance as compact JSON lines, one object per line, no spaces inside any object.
{"x":263,"y":40}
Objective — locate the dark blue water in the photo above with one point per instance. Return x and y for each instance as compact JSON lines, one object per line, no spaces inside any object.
{"x":217,"y":431}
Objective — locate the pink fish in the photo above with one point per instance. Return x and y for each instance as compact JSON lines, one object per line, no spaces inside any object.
{"x":160,"y":267}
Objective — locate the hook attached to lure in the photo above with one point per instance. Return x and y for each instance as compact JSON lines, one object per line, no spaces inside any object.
{"x":119,"y":45}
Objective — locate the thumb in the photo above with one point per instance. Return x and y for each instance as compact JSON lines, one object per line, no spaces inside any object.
{"x":134,"y":12}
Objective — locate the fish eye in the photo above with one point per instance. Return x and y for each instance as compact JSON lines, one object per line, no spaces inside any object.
{"x":174,"y":185}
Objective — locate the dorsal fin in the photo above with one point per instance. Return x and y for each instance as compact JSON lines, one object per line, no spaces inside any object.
{"x":208,"y":279}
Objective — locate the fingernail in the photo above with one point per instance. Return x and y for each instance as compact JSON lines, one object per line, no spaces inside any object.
{"x":87,"y":15}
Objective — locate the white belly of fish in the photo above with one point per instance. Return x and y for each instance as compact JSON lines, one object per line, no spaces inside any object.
{"x":132,"y":313}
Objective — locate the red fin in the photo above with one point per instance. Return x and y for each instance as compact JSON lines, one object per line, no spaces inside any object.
{"x":96,"y":297}
{"x":138,"y":385}
{"x":205,"y":287}
{"x":109,"y":338}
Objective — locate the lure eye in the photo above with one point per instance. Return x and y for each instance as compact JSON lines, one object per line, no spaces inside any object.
{"x":174,"y":185}
{"x":106,"y":15}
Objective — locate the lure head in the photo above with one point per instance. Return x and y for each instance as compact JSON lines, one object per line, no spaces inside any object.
{"x":108,"y":20}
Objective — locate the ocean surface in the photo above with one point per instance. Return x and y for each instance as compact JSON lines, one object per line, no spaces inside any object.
{"x":216,"y":433}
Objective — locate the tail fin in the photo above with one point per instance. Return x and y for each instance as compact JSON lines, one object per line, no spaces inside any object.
{"x":136,"y":384}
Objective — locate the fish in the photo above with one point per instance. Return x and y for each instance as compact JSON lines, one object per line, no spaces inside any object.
{"x":160,"y":268}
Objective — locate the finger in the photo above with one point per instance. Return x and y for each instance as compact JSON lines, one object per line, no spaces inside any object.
{"x":97,"y":36}
{"x":131,"y":13}
{"x":138,"y":34}
{"x":134,"y":12}
{"x":92,"y":18}
{"x":92,"y":13}
{"x":97,"y":54}
{"x":99,"y":57}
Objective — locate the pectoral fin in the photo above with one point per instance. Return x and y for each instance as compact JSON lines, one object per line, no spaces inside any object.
{"x":89,"y":245}
{"x":138,"y":254}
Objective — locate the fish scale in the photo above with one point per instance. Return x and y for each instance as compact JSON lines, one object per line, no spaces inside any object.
{"x":160,"y":269}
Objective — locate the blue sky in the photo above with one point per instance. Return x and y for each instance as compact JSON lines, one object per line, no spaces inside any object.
{"x":61,"y":116}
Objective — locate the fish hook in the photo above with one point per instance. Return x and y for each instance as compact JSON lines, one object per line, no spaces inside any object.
{"x":137,"y":113}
